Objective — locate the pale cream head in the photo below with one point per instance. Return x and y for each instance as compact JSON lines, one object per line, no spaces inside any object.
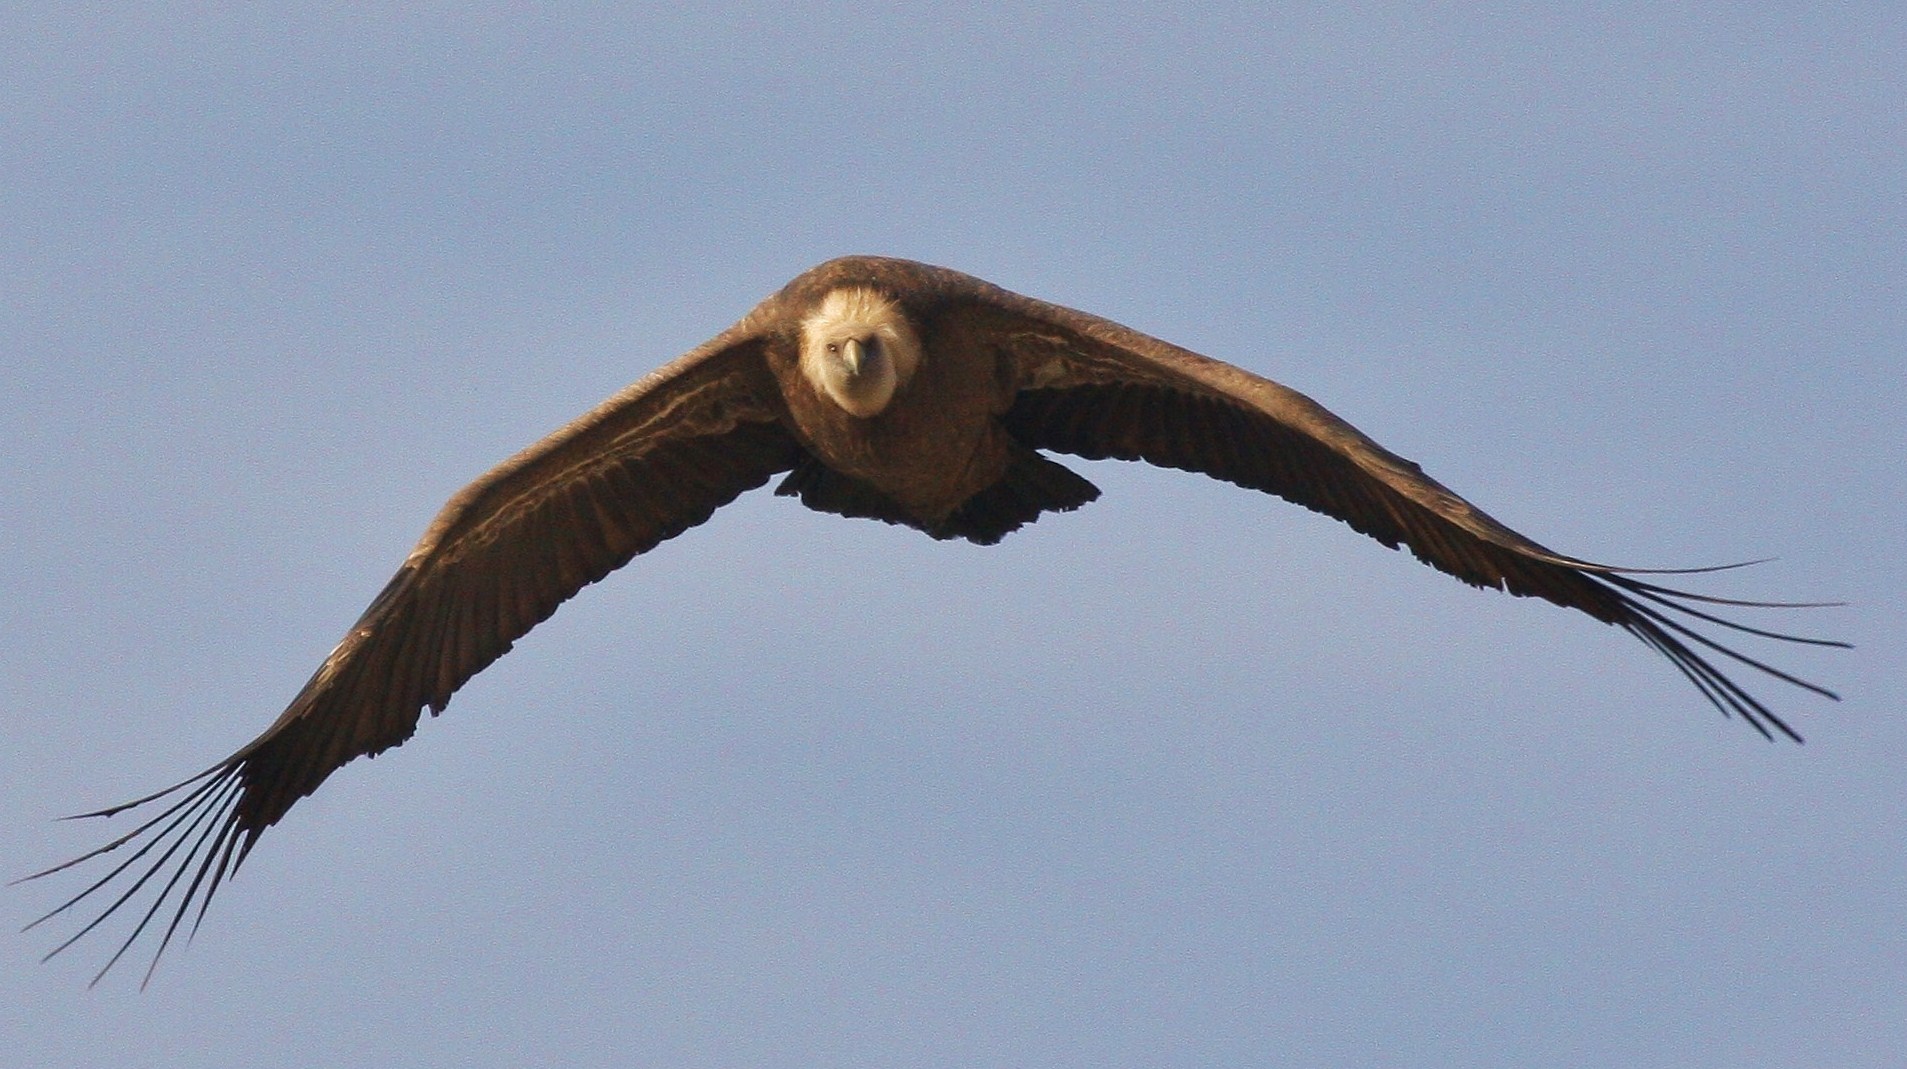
{"x":858,"y":349}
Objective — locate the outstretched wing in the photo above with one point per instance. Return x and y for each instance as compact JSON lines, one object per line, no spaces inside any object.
{"x":1092,"y":388}
{"x":646,"y":465}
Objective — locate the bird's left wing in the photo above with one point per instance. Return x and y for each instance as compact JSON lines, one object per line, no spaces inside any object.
{"x":649,"y":463}
{"x":1093,"y":388}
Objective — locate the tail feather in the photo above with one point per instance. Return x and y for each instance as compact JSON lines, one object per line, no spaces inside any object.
{"x":1032,"y":485}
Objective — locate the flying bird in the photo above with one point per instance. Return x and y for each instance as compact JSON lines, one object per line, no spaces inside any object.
{"x":883,"y":389}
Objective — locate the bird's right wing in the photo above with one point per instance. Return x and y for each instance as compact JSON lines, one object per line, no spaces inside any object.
{"x":646,"y":465}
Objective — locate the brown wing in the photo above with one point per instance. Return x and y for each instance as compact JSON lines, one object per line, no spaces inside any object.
{"x":646,"y":465}
{"x":1092,"y":388}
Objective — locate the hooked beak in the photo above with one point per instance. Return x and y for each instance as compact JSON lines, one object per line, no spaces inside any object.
{"x":853,"y":356}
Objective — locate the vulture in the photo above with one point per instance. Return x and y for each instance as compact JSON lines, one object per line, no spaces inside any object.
{"x":877,"y":388}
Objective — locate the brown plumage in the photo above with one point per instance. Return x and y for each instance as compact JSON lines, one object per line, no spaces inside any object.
{"x":885,"y":389}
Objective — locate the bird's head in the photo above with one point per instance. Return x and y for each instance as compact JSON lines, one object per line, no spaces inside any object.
{"x":858,"y":348}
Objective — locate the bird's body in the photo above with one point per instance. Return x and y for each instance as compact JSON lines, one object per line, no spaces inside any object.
{"x":884,"y":389}
{"x":934,"y":444}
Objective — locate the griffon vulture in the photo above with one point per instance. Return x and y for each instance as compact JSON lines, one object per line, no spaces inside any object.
{"x":883,"y":389}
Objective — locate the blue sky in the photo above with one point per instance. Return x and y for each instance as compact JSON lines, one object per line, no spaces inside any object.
{"x":1188,"y":777}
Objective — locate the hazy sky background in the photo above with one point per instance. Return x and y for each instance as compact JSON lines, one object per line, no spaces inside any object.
{"x":1189,"y":777}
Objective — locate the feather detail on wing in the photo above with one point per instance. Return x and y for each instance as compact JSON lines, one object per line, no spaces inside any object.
{"x":1095,"y":389}
{"x":646,"y":465}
